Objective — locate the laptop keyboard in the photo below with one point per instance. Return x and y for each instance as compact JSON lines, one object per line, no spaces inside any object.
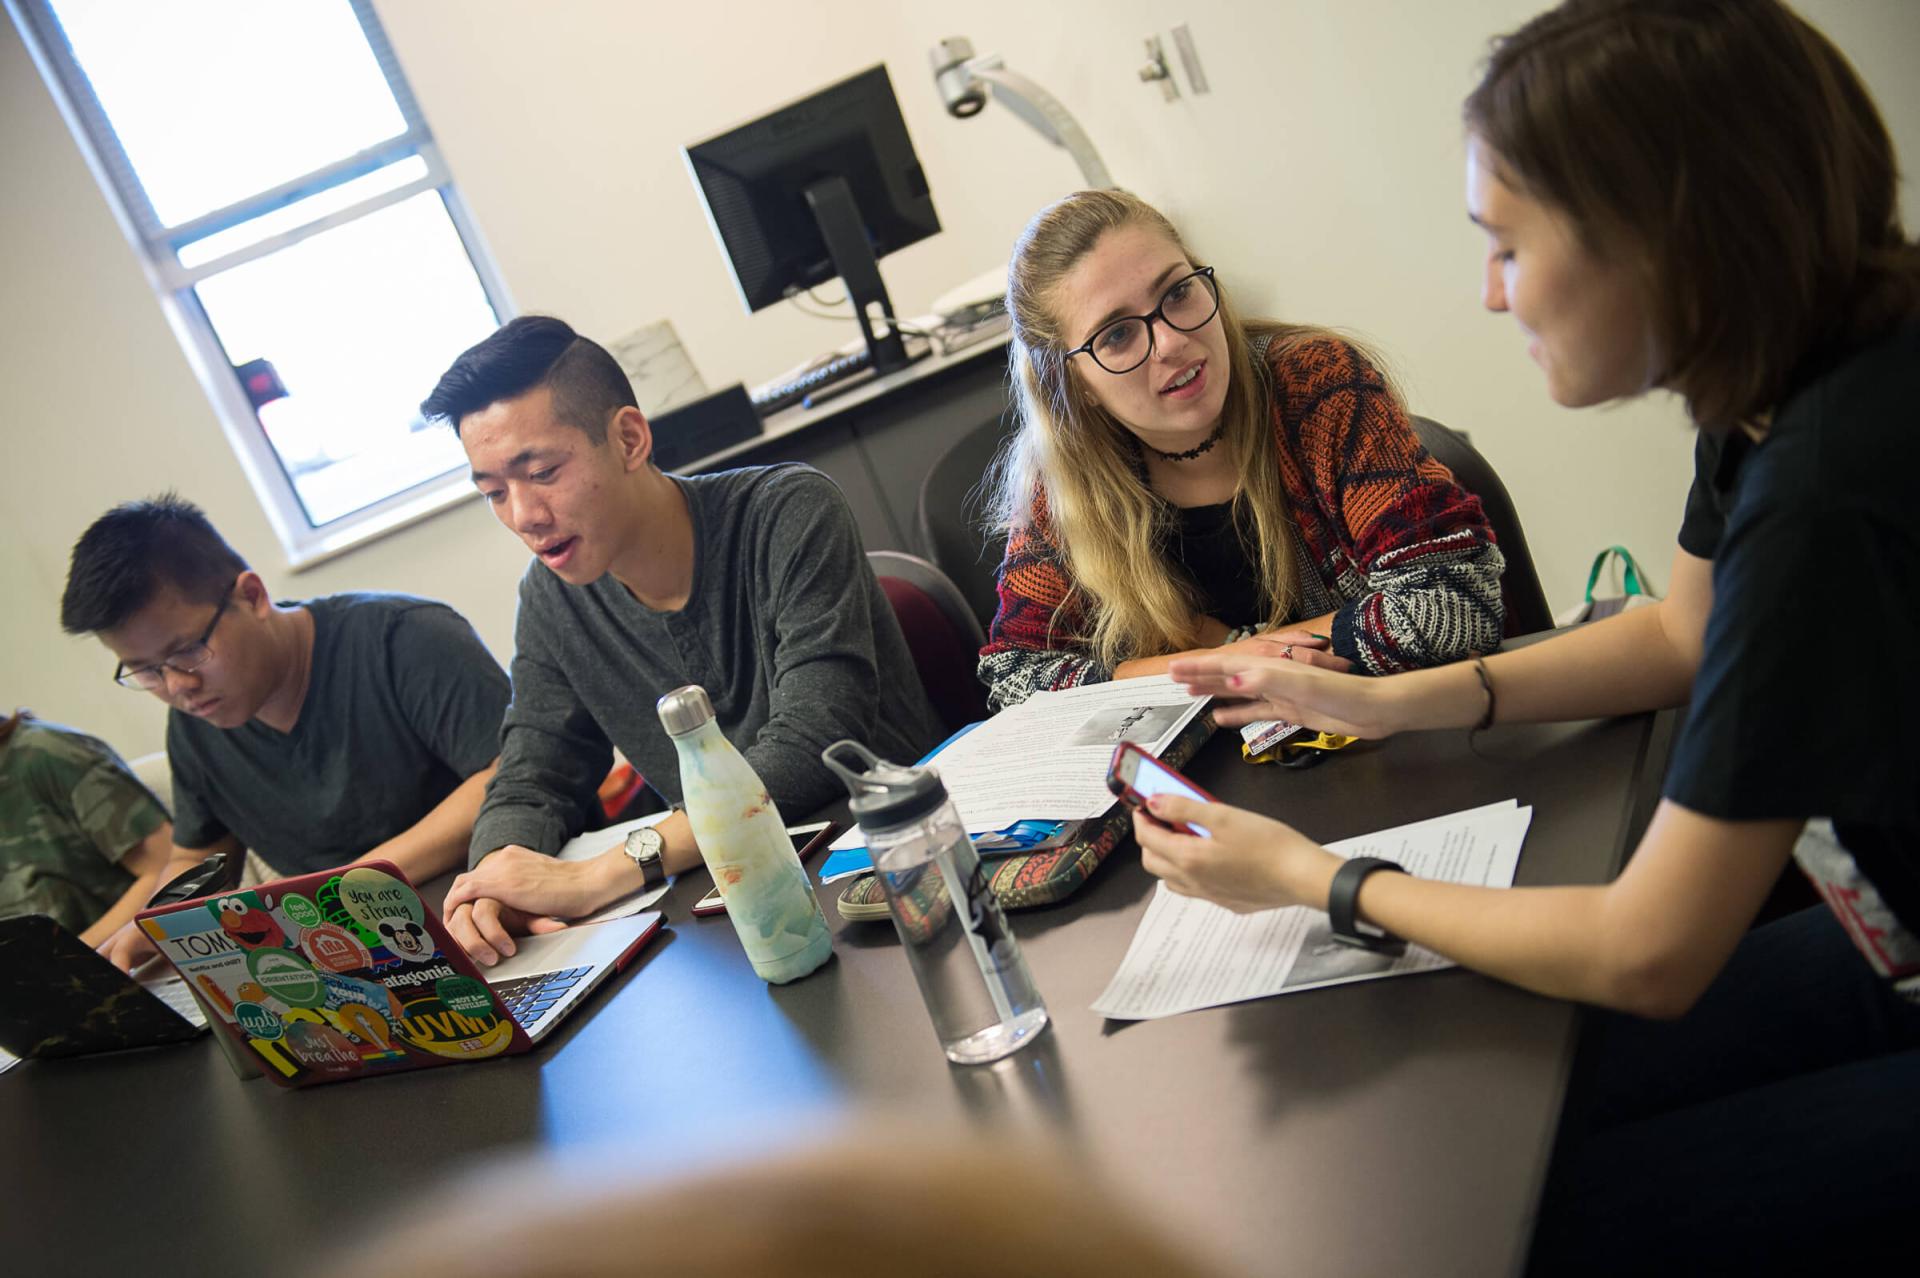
{"x":176,"y":995}
{"x":529,"y":998}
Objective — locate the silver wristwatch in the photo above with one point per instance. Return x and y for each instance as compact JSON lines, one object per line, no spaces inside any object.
{"x":647,"y":847}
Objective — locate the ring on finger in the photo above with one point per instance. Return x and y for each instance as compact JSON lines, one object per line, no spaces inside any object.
{"x":1286,"y":653}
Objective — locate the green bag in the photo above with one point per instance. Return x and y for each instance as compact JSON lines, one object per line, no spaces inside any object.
{"x":1633,"y":590}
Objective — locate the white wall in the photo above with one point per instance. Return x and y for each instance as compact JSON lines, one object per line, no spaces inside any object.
{"x":1322,"y":176}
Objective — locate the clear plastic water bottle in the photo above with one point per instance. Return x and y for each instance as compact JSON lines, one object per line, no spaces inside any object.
{"x":745,"y":845}
{"x":975,"y":983}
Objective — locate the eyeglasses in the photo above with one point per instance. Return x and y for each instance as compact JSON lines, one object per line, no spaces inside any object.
{"x":187,"y":660}
{"x":1122,"y":345}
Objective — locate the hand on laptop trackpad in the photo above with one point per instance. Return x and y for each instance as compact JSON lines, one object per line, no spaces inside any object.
{"x":584,"y":944}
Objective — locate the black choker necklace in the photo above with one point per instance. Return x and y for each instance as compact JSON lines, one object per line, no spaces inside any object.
{"x":1193,"y":452}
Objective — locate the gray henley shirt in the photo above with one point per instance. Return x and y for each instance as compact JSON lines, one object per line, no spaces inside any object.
{"x":785,"y":627}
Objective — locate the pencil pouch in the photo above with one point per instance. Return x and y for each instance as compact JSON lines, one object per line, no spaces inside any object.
{"x":1024,"y":882}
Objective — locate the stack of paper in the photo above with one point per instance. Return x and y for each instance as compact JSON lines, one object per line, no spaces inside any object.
{"x":1190,"y":954}
{"x":1046,"y":758}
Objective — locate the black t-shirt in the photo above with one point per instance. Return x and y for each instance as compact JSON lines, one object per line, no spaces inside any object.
{"x":1807,"y":701}
{"x":403,"y":703}
{"x":1205,"y":545}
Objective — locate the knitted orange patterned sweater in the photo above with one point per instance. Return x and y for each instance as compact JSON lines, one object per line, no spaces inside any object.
{"x":1403,"y":553}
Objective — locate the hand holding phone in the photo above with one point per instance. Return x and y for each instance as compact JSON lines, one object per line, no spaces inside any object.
{"x":1136,"y":776}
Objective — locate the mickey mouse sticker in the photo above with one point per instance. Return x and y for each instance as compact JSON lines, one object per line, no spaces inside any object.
{"x":390,"y":910}
{"x":405,"y":938}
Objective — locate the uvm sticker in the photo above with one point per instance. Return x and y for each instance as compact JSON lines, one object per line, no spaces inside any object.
{"x":432,"y":1026}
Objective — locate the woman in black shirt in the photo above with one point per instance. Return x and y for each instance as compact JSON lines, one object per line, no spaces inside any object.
{"x":1699,"y":198}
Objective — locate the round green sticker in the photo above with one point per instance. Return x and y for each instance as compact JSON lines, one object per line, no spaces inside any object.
{"x":258,"y":1022}
{"x":372,"y":895}
{"x":300,"y":911}
{"x":287,"y":977}
{"x":464,"y":995}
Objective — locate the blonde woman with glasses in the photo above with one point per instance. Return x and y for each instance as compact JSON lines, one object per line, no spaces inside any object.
{"x":1183,"y":479}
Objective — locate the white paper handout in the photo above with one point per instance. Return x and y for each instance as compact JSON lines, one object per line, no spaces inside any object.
{"x":592,"y":844}
{"x":1190,"y":954}
{"x":1046,"y":758}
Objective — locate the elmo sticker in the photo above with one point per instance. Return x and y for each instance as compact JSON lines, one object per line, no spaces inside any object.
{"x":432,"y":1026}
{"x":248,"y":922}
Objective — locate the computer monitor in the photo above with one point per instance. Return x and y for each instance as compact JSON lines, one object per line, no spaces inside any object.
{"x":822,"y":187}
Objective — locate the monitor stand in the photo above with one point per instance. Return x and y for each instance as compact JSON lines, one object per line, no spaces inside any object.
{"x":831,"y":200}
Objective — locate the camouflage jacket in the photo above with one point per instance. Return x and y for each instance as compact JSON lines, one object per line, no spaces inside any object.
{"x":69,"y":810}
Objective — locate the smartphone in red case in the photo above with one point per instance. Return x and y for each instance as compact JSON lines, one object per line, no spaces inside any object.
{"x":1135,"y":776}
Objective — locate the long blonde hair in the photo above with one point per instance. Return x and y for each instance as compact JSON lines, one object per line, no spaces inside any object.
{"x":1076,"y":458}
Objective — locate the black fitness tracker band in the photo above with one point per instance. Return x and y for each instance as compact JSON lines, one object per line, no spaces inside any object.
{"x":1341,"y":898}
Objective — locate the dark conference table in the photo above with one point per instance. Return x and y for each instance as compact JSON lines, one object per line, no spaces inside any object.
{"x":1392,"y":1126}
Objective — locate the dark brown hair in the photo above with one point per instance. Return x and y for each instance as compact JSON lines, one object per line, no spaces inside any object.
{"x":1729,"y":152}
{"x":128,"y":555}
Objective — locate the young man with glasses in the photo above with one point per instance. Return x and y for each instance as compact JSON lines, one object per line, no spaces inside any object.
{"x":314,"y":733}
{"x":751,"y":583}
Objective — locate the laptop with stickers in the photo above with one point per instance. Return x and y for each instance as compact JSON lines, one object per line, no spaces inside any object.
{"x":59,"y":998}
{"x":347,"y":974}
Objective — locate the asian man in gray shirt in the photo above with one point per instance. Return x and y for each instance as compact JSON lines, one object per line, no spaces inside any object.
{"x":751,"y":583}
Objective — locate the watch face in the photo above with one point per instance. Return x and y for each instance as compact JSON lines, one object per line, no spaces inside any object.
{"x":646,"y":845}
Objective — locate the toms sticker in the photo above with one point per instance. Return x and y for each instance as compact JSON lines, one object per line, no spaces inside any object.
{"x":432,"y":1026}
{"x":287,"y":977}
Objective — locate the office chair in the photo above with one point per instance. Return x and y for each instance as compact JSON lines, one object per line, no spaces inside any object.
{"x":1526,"y":602}
{"x":950,"y":511}
{"x":942,"y":633}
